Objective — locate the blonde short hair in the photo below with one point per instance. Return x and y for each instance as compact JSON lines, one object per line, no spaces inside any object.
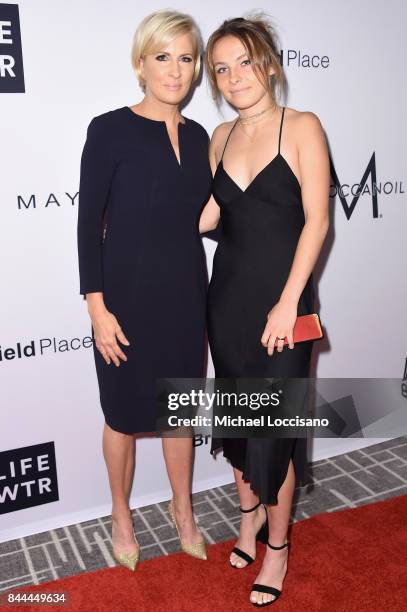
{"x":159,"y":29}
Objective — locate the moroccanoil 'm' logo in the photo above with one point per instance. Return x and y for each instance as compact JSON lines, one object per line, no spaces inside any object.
{"x":349,"y":194}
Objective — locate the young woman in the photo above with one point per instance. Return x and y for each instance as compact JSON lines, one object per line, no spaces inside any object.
{"x":271,"y":191}
{"x":145,"y":176}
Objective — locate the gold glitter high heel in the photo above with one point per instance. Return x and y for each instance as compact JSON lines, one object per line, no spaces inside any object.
{"x":129,"y":560}
{"x":197,"y":550}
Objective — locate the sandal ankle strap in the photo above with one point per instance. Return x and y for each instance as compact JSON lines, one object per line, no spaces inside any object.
{"x":250,"y":509}
{"x":278,"y":547}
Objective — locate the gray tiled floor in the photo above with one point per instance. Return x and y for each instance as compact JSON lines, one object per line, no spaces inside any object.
{"x":345,"y":481}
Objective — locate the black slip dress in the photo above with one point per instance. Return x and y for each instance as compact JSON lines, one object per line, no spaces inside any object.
{"x":260,"y":228}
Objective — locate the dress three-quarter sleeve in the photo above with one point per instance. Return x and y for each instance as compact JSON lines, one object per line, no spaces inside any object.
{"x":96,"y":173}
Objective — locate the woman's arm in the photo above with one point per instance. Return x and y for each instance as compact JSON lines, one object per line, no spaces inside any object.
{"x":315,"y":176}
{"x":210,"y":215}
{"x":96,"y":173}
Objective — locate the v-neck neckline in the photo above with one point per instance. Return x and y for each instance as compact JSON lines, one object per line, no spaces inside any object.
{"x":163,"y":123}
{"x":260,"y":173}
{"x":179,"y":161}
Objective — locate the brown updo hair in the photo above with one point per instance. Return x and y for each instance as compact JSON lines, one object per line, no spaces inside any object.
{"x":259,"y":38}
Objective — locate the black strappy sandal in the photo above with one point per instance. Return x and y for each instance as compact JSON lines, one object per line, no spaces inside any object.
{"x":262,"y":536}
{"x":263,"y":588}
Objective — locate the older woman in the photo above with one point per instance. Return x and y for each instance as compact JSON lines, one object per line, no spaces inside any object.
{"x":144,"y":178}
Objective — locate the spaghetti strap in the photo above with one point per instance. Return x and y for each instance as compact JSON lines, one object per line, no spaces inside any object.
{"x":227,"y":139}
{"x":281,"y":127}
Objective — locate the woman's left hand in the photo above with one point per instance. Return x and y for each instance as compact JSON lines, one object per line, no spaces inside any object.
{"x":280,"y":322}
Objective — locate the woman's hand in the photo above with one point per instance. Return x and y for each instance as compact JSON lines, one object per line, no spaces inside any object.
{"x":280,"y":322}
{"x":107,"y":331}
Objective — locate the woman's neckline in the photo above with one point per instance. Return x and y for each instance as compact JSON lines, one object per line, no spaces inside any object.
{"x":154,"y":120}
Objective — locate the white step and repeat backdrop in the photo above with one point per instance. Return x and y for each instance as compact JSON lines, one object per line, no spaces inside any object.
{"x":342,"y":61}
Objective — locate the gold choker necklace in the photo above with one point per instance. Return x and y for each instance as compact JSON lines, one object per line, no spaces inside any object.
{"x":257,"y":116}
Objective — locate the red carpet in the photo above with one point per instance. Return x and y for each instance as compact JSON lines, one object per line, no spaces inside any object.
{"x":351,"y":560}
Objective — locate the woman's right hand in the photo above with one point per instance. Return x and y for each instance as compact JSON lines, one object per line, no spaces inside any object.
{"x":107,"y":331}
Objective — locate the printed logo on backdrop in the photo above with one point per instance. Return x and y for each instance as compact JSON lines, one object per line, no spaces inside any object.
{"x":11,"y":55}
{"x":24,"y":202}
{"x":368,"y":187}
{"x":42,"y":347}
{"x":200,"y":439}
{"x":290,"y":58}
{"x":28,"y":477}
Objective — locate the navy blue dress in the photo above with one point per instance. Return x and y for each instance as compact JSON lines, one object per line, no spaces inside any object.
{"x":139,"y":243}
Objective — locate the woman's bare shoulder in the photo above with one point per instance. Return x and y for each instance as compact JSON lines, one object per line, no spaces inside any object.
{"x":306,"y":128}
{"x":219,"y":136}
{"x":221,"y":131}
{"x":303,"y":122}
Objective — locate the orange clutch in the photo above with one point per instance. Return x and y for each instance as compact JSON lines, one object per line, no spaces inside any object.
{"x":307,"y":327}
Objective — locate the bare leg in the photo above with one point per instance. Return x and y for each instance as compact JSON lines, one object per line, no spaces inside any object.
{"x":274,"y":565}
{"x":178,"y":459}
{"x":118,"y":451}
{"x":250,"y":522}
